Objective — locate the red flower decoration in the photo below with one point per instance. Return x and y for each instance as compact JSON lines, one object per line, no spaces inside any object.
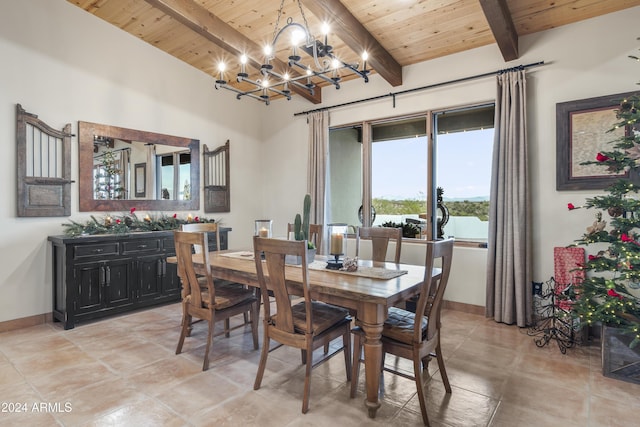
{"x":196,"y":219}
{"x":613,"y":293}
{"x":175,"y":216}
{"x":625,"y":238}
{"x":570,"y":206}
{"x":592,"y":257}
{"x":601,"y":157}
{"x":117,"y":221}
{"x":132,"y":210}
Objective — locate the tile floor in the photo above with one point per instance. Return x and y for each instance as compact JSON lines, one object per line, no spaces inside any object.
{"x":123,"y":371}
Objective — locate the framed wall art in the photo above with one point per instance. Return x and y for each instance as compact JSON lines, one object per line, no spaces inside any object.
{"x":140,"y":179}
{"x":582,"y":131}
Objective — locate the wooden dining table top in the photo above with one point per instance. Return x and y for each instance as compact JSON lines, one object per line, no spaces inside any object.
{"x":239,"y":266}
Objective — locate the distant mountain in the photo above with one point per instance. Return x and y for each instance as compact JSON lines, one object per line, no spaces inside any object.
{"x":468,"y":199}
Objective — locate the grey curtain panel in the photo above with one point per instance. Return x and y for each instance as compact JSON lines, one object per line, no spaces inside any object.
{"x":509,"y":297}
{"x":317,"y":164}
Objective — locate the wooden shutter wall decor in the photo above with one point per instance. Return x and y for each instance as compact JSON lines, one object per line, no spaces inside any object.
{"x":43,"y":167}
{"x":217,"y":192}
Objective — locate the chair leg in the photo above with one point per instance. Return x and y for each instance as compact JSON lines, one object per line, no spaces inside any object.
{"x":346,"y":345}
{"x":355,"y":366}
{"x":227,"y":328}
{"x":326,"y":348}
{"x":421,"y":395}
{"x":255,"y":314}
{"x":263,"y":362}
{"x":443,"y":371}
{"x":205,"y":364}
{"x":186,"y":320}
{"x":307,"y":379}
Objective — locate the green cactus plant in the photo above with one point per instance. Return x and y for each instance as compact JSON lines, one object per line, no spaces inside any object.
{"x":301,"y":223}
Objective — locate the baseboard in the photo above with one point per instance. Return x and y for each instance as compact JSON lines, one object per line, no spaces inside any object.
{"x":464,"y":307}
{"x":25,"y":322}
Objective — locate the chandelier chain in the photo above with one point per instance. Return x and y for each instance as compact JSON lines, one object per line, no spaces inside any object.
{"x":277,"y":27}
{"x":304,"y":18}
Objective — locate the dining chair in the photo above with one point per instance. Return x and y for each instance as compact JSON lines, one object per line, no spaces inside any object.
{"x":380,"y":238}
{"x":211,"y":303}
{"x":415,"y":336}
{"x":307,"y":324}
{"x":212,"y":227}
{"x":315,"y":234}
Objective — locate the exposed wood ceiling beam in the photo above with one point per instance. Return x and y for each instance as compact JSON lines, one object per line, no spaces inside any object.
{"x":501,"y":24}
{"x":203,"y":22}
{"x":353,"y":33}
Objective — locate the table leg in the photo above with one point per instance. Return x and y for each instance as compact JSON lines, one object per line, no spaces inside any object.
{"x":372,"y":364}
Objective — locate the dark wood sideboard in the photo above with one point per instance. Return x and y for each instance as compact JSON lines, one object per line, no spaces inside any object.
{"x":103,"y":275}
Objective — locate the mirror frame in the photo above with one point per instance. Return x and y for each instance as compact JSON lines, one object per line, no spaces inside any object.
{"x":87,"y":130}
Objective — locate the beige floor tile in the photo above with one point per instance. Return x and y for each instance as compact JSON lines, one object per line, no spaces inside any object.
{"x":123,"y":371}
{"x":514,"y":415}
{"x":142,"y":413}
{"x":67,"y":381}
{"x":98,"y":399}
{"x":199,"y":393}
{"x":161,"y":375}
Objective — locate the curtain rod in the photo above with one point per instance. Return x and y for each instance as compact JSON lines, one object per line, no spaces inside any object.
{"x":402,"y":92}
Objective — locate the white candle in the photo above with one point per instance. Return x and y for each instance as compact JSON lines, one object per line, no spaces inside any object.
{"x":263,"y":232}
{"x":336,"y":244}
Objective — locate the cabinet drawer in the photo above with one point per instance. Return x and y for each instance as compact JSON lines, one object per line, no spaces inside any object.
{"x":141,"y":246}
{"x":99,"y":249}
{"x":169,"y":245}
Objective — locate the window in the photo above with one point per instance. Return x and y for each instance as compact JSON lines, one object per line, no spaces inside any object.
{"x":174,"y":170}
{"x":391,"y":164}
{"x":464,"y":145}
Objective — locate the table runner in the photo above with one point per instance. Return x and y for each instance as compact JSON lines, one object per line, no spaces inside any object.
{"x":370,"y":272}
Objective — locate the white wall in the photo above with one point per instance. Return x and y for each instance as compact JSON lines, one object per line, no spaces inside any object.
{"x":66,"y":65}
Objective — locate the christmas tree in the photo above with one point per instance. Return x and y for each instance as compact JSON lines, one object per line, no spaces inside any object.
{"x":610,"y":291}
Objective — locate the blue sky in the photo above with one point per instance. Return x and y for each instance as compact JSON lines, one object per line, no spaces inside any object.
{"x":464,"y":165}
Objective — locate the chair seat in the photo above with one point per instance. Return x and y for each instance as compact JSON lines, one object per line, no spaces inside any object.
{"x":325,"y":316}
{"x":400,"y":324}
{"x":228,"y":296}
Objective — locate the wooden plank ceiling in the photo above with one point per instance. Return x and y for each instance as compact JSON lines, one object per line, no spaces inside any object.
{"x":395,"y":33}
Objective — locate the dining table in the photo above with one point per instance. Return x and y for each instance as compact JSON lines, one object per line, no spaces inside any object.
{"x":367,"y":292}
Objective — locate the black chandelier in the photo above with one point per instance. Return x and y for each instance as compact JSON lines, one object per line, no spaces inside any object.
{"x":325,"y":64}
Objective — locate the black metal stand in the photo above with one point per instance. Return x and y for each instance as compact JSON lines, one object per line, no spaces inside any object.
{"x":552,"y":322}
{"x":335,"y":263}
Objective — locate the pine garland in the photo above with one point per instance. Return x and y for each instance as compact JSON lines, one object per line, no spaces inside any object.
{"x":128,"y":223}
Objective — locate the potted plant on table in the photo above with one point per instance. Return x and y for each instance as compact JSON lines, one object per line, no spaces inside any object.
{"x":301,"y":232}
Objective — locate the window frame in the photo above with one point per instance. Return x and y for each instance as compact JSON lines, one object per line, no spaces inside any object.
{"x":431,"y":201}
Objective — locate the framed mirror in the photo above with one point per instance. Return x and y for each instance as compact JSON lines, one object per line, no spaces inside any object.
{"x":122,"y":168}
